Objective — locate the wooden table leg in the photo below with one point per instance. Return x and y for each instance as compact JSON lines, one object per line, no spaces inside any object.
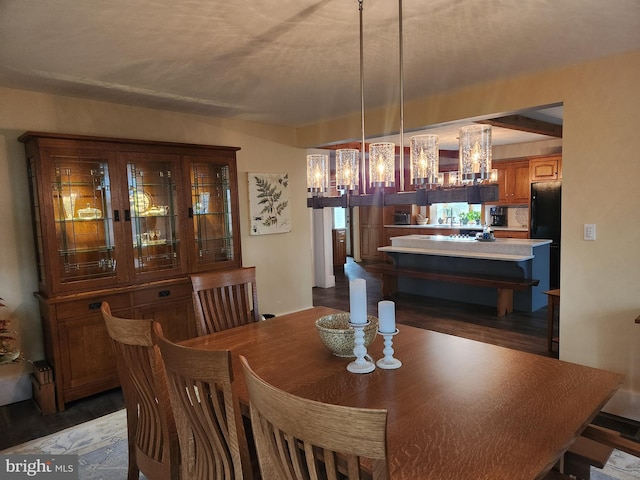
{"x":553,"y":304}
{"x":389,"y":286}
{"x":505,"y":301}
{"x":550,"y":317}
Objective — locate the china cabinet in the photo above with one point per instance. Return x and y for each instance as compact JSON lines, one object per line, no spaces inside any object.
{"x":123,"y":221}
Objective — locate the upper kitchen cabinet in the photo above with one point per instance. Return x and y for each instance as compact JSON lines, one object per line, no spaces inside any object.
{"x":113,"y":212}
{"x":513,"y":182}
{"x":545,"y":168}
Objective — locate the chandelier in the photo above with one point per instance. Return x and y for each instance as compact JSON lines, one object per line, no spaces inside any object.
{"x":474,"y":182}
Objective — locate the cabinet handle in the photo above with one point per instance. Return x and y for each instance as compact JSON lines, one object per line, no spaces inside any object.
{"x":127,"y":215}
{"x":116,"y":215}
{"x":190,"y":212}
{"x":95,"y":306}
{"x":164,"y":293}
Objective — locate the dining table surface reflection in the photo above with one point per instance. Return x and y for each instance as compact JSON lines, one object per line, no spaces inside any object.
{"x":457,"y":408}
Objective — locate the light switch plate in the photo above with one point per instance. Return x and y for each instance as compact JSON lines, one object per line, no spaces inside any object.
{"x":589,"y":231}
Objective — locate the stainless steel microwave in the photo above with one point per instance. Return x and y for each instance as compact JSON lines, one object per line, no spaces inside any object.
{"x":401,"y":218}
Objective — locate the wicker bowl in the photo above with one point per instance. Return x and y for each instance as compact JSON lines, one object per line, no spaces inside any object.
{"x":337,"y":335}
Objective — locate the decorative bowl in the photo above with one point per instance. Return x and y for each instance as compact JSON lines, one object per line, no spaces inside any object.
{"x":337,"y":335}
{"x":420,"y":220}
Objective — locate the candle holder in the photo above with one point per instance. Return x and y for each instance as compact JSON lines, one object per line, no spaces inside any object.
{"x":388,"y":362}
{"x":361,"y":364}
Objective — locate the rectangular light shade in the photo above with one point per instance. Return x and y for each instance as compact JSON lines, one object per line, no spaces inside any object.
{"x":347,"y":169}
{"x":382,"y":158}
{"x":317,"y":173}
{"x":475,"y":153}
{"x":425,"y":160}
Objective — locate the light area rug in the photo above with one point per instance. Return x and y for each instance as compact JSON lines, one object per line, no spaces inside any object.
{"x":101,"y":446}
{"x":620,"y":466}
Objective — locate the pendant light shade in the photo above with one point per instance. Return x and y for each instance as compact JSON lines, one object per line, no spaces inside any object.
{"x":425,"y":160}
{"x":382,"y":164}
{"x":317,"y":173}
{"x":475,"y":153}
{"x":347,"y":169}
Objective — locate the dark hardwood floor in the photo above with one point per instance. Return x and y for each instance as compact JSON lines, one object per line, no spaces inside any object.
{"x":517,"y":330}
{"x":21,"y":421}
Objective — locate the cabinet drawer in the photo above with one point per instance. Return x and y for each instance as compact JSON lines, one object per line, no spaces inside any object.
{"x":75,"y":308}
{"x":161,"y":293}
{"x":511,"y":234}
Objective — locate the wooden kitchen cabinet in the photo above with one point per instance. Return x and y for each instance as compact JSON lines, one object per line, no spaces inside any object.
{"x":545,"y":168}
{"x":511,"y":234}
{"x":126,"y":222}
{"x":371,"y":226}
{"x":513,"y":182}
{"x":339,"y":247}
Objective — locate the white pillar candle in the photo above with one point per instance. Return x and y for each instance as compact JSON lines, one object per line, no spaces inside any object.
{"x":387,"y":316}
{"x":358,"y":300}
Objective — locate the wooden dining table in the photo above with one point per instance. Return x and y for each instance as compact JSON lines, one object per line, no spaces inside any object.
{"x":457,"y":408}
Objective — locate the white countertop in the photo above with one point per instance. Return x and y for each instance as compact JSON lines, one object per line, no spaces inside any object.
{"x":459,"y":227}
{"x":505,"y":249}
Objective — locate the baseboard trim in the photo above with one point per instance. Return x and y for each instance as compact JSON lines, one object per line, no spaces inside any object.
{"x":624,"y":404}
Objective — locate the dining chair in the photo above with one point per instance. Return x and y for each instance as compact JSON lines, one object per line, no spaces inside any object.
{"x":154,"y":449}
{"x":199,"y":383}
{"x":302,"y":439}
{"x":225,"y":299}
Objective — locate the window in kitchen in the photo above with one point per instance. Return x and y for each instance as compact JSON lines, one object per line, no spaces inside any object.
{"x":457,"y":213}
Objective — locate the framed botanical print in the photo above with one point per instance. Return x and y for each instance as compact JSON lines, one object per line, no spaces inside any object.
{"x":269,"y":203}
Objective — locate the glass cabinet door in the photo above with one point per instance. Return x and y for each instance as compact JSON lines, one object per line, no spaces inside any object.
{"x":213,"y":220}
{"x":153,"y":202}
{"x":83,"y":220}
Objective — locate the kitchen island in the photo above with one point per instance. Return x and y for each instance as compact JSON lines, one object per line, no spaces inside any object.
{"x":515,"y":271}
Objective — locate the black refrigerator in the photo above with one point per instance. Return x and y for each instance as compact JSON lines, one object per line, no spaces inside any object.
{"x":545,"y":210}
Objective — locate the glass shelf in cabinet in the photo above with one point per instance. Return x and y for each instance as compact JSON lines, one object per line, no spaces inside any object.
{"x":78,"y":219}
{"x":72,"y":251}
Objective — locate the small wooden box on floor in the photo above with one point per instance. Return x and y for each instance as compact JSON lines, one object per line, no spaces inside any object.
{"x":43,"y":388}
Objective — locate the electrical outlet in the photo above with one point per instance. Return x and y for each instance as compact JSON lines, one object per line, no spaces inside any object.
{"x":589,"y":231}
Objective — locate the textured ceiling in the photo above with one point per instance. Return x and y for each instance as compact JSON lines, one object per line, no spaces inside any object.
{"x":294,"y":62}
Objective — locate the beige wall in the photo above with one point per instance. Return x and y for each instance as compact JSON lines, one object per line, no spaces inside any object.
{"x":600,"y":286}
{"x":601,"y":175}
{"x":283,"y":261}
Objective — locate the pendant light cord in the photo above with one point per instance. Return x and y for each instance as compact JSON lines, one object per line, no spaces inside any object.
{"x":363,"y":174}
{"x":401,"y":55}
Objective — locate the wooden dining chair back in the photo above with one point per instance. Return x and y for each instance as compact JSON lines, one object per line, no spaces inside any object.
{"x":225,"y":299}
{"x":154,"y":449}
{"x":199,"y":384}
{"x":300,"y":439}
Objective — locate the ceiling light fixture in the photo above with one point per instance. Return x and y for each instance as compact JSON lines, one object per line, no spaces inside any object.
{"x":472,"y":184}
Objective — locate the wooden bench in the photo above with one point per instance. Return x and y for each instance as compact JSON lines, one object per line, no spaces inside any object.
{"x":584,"y":453}
{"x":504,"y":285}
